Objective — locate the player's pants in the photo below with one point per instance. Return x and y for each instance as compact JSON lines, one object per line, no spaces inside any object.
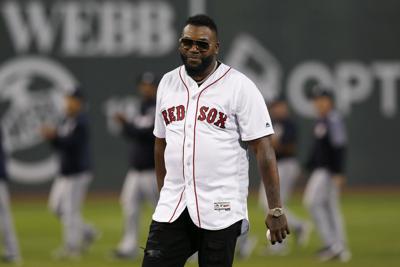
{"x":138,"y":187}
{"x":66,"y":197}
{"x":6,"y":224}
{"x":321,"y":197}
{"x":288,"y":172}
{"x":171,"y":244}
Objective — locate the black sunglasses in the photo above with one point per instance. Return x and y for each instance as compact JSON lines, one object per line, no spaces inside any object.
{"x":188,"y":43}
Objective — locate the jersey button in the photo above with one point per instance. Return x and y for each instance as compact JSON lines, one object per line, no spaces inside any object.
{"x":189,"y":126}
{"x":194,"y":97}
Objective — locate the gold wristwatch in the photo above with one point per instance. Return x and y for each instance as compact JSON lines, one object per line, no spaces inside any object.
{"x":276,"y":212}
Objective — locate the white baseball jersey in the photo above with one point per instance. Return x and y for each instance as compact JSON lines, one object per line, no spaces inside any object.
{"x":205,"y":157}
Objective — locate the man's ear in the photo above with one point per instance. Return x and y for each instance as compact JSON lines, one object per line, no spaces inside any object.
{"x":217,"y":48}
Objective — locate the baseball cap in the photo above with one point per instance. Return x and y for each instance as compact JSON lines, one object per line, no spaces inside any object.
{"x":148,"y":77}
{"x":78,"y":93}
{"x":322,"y":91}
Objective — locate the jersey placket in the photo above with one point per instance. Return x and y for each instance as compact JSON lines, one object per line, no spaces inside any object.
{"x":191,"y":192}
{"x":188,"y":148}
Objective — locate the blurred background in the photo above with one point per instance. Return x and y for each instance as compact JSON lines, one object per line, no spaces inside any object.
{"x":48,"y":47}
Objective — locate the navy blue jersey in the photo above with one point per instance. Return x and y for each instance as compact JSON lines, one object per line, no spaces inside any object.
{"x":330,"y":141}
{"x":140,"y":134}
{"x":286,"y":132}
{"x":72,"y":144}
{"x":3,"y":172}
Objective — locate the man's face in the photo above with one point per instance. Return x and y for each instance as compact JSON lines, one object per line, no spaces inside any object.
{"x":323,"y":105}
{"x":198,"y":47}
{"x":72,"y":105}
{"x":279,"y":110}
{"x":147,"y":90}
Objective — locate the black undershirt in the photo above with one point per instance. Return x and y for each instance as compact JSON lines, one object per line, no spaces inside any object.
{"x":218,"y":64}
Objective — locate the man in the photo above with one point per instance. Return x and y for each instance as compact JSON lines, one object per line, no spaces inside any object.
{"x":207,"y":115}
{"x":140,"y":183}
{"x":71,"y":141}
{"x":327,"y":165}
{"x":7,"y":232}
{"x":284,"y":142}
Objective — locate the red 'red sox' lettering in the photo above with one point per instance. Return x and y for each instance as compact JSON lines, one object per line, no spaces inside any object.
{"x":173,"y":114}
{"x":212,"y":116}
{"x":180,"y":112}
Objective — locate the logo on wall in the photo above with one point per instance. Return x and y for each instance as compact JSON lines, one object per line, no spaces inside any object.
{"x":248,"y":55}
{"x":31,"y":90}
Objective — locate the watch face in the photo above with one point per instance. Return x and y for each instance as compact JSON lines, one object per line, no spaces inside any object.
{"x":277,"y":213}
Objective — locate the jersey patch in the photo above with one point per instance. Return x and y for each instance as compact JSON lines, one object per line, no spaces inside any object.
{"x":222,"y":206}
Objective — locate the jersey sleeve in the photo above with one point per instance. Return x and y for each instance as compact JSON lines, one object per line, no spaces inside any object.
{"x":159,"y":125}
{"x":338,"y":140}
{"x":252,"y":112}
{"x":337,"y":130}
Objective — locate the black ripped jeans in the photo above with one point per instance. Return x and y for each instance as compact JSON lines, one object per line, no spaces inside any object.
{"x":171,"y":244}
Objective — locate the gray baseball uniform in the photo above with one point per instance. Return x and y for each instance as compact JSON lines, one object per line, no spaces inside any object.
{"x":11,"y":249}
{"x":322,"y":194}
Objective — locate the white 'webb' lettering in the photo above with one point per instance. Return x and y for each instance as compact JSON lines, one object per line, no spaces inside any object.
{"x":91,"y":28}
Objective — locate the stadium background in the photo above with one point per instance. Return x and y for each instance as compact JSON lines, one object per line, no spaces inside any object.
{"x":285,"y":46}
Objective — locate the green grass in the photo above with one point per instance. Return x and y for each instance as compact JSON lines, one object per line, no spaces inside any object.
{"x":372,"y":226}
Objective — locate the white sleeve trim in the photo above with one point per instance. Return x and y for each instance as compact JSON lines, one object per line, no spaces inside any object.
{"x":158,"y":134}
{"x":258,"y":135}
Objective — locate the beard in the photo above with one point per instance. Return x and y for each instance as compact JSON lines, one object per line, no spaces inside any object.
{"x":199,"y":69}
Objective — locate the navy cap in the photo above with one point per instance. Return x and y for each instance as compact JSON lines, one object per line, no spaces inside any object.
{"x":78,"y":93}
{"x":148,"y":77}
{"x":322,"y":91}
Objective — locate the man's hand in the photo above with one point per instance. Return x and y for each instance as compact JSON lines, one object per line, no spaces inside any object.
{"x":339,"y":180}
{"x":48,"y":133}
{"x":278,"y":228}
{"x":120,"y":118}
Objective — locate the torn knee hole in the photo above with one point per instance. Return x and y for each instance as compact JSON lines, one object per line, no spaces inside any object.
{"x":153,"y":253}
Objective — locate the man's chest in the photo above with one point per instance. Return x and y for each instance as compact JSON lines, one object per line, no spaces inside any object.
{"x":213,"y":106}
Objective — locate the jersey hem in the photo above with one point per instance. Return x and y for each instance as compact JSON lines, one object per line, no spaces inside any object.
{"x":204,"y":227}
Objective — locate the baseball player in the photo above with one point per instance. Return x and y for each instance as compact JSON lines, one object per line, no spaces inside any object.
{"x":7,"y":232}
{"x":284,"y":142}
{"x":207,"y":116}
{"x":71,"y":140}
{"x":140,"y":183}
{"x":327,"y":165}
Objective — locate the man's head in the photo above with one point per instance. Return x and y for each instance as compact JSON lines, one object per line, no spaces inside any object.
{"x":279,"y":109}
{"x":199,"y":44}
{"x":74,"y":102}
{"x":323,"y":100}
{"x":147,"y":85}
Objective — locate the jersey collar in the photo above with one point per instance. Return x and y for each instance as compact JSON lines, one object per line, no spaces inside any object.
{"x":218,"y":73}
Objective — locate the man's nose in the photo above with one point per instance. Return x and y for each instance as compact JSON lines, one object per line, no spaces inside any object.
{"x":194,"y":48}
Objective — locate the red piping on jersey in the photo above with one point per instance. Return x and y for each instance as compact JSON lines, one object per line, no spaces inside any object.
{"x":183,"y":147}
{"x":194,"y":138}
{"x":184,"y":127}
{"x":180,"y":199}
